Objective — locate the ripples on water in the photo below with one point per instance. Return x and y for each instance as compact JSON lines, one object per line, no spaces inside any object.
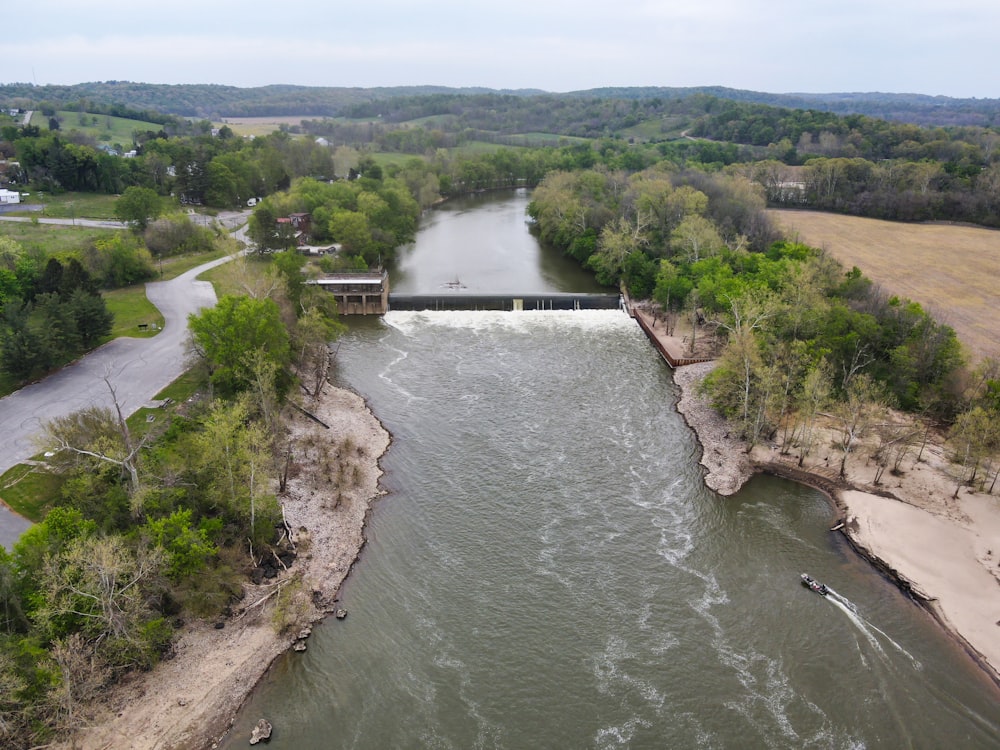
{"x":549,"y":571}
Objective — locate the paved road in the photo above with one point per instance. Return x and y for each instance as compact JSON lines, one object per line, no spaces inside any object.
{"x":64,"y":222}
{"x":138,"y":369}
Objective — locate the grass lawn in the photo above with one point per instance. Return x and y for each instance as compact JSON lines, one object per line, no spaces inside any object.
{"x":233,"y":277}
{"x":950,"y":270}
{"x":184,"y":387}
{"x":103,"y":128}
{"x":174,"y":267}
{"x":30,"y":490}
{"x":52,"y":239}
{"x":76,"y":205}
{"x":132,"y":309}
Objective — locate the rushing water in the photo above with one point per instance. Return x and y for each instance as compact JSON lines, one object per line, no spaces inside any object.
{"x":549,"y":571}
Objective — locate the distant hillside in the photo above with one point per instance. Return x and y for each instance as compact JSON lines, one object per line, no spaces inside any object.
{"x":919,"y":109}
{"x":216,"y":101}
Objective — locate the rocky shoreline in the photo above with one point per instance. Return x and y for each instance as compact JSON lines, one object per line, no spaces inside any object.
{"x":190,"y":700}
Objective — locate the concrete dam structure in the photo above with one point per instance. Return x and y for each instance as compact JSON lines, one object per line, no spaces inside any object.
{"x":505,"y":302}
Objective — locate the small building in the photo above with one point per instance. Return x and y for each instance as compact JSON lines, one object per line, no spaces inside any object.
{"x":358,"y":293}
{"x":9,"y":196}
{"x":300,"y":221}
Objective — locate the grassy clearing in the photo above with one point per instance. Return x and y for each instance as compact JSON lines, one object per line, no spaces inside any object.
{"x":76,"y":205}
{"x":667,"y":128}
{"x":102,"y":128}
{"x":184,"y":387}
{"x":132,"y":309}
{"x":238,"y":275}
{"x":260,"y":126}
{"x":171,"y":268}
{"x":950,"y":270}
{"x":53,"y":239}
{"x":30,"y":490}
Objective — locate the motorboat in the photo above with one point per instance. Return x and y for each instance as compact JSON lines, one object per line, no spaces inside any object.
{"x":814,"y":585}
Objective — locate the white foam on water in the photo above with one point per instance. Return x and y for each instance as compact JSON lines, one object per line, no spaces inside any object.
{"x":867,"y":627}
{"x":525,"y":321}
{"x":859,"y":624}
{"x":620,"y":735}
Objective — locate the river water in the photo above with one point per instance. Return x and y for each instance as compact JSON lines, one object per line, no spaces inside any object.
{"x":548,"y":570}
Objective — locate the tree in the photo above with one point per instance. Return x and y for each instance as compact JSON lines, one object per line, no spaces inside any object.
{"x":186,"y":547}
{"x":98,"y":433}
{"x":235,"y":458}
{"x":21,"y":349}
{"x":864,"y":402}
{"x":314,"y":331}
{"x":617,"y":241}
{"x":811,"y":399}
{"x":973,"y":436}
{"x":137,"y":206}
{"x":91,"y":315}
{"x":696,"y":237}
{"x":99,"y":586}
{"x":225,"y":335}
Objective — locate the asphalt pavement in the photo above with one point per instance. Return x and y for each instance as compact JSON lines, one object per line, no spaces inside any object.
{"x":138,"y":369}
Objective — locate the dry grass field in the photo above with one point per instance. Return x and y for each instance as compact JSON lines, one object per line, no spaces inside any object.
{"x":262,"y":125}
{"x":952,"y":271}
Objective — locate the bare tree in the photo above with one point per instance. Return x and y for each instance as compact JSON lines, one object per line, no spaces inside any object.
{"x":100,"y":582}
{"x":863,"y":404}
{"x":98,"y":433}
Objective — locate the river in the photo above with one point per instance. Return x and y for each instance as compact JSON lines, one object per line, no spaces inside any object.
{"x":548,"y":570}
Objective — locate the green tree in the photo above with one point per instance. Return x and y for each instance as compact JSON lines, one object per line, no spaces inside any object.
{"x":138,"y":206}
{"x":225,"y":336}
{"x":100,"y":587}
{"x":21,"y":349}
{"x":352,"y":231}
{"x":235,"y":459}
{"x":91,"y":315}
{"x":186,"y":547}
{"x":696,"y":238}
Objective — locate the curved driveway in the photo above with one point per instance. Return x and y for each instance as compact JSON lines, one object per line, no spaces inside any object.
{"x":137,"y":368}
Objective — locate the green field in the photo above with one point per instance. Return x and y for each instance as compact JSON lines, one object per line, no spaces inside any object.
{"x":132,"y":309}
{"x":52,"y":239}
{"x":71,"y":205}
{"x":30,"y":490}
{"x":665,"y":129}
{"x":102,"y":128}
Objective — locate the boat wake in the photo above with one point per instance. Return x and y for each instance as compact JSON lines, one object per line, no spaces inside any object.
{"x":868,"y":630}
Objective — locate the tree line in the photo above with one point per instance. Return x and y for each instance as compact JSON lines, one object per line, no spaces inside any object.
{"x":50,"y":313}
{"x":796,"y":335}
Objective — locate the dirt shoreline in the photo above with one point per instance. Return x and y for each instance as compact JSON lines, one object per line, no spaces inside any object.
{"x":938,"y":550}
{"x":190,"y":700}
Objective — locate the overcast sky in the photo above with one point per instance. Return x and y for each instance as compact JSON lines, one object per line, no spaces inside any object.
{"x":945,"y":47}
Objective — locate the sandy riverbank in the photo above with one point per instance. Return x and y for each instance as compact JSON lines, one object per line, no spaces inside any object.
{"x":945,"y":551}
{"x":189,"y":700}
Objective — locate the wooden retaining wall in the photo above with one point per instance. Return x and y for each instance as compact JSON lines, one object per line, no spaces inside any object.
{"x":674,"y":362}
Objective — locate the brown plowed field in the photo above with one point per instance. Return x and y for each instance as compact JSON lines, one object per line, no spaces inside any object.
{"x":953,"y":271}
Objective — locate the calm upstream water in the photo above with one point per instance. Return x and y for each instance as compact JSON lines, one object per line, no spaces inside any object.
{"x":548,"y":570}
